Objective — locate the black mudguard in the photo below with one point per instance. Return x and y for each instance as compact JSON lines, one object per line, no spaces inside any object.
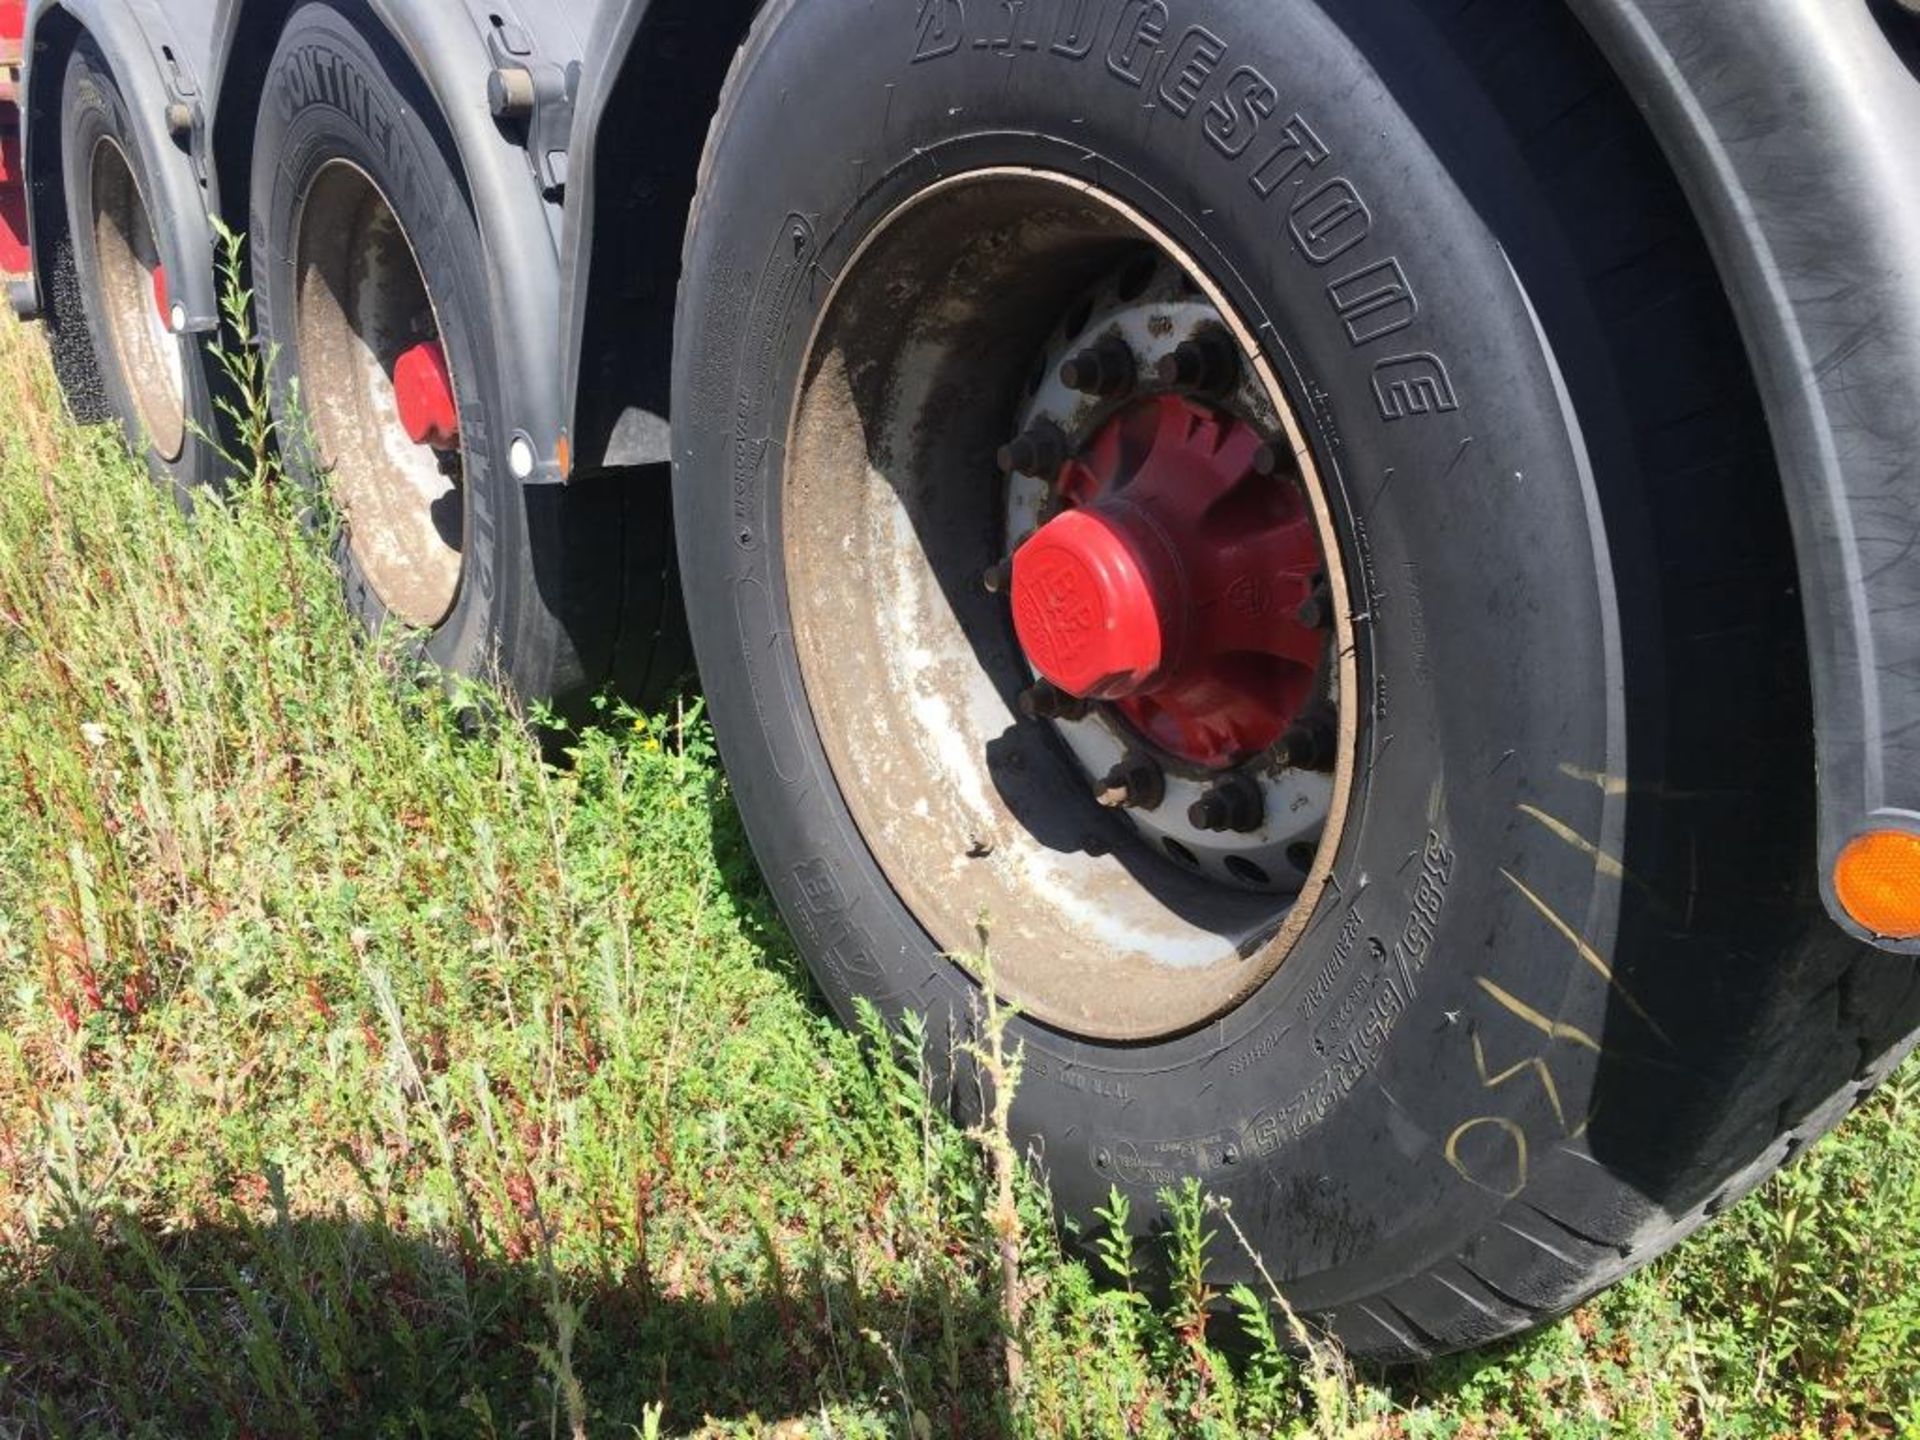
{"x":518,"y":188}
{"x":157,"y":63}
{"x":1791,"y":124}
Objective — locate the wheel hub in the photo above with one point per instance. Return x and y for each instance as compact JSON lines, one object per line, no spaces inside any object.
{"x":1025,"y":321}
{"x":423,"y":396}
{"x":1173,"y":582}
{"x":1168,"y":587}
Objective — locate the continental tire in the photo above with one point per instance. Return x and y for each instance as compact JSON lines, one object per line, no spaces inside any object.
{"x":1551,"y":983}
{"x":159,"y":385}
{"x":367,"y":258}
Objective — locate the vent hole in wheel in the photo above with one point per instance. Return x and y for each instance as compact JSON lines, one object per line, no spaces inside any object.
{"x":1245,"y":871}
{"x":1179,"y":852}
{"x":1300,"y":856}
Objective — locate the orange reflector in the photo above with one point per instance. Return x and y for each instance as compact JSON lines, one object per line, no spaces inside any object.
{"x":1877,"y":878}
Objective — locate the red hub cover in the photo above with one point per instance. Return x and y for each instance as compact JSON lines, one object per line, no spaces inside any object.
{"x":162,"y":301}
{"x":1171,"y":585}
{"x":423,"y":390}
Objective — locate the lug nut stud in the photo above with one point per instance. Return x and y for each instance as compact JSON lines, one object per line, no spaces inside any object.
{"x":1308,"y":744}
{"x":1136,"y":783}
{"x":1268,"y":461}
{"x":1107,"y":368}
{"x":1040,"y":452}
{"x":998,"y":579}
{"x":1208,"y":364}
{"x":1234,"y":806}
{"x":1044,"y":700}
{"x":1316,"y":611}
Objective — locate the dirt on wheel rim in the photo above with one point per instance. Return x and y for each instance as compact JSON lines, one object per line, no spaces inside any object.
{"x":1100,"y":926}
{"x":133,"y":294}
{"x":364,"y":317}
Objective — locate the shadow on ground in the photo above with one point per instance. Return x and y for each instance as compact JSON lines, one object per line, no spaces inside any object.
{"x":338,"y":1327}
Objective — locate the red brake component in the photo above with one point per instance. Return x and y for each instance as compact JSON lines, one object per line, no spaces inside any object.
{"x":1171,"y":586}
{"x":423,"y":389}
{"x":162,"y":299}
{"x":15,"y":259}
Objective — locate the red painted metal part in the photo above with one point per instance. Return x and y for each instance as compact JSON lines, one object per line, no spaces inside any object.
{"x":162,"y":299}
{"x":423,"y":387}
{"x":1171,"y":584}
{"x":15,"y":259}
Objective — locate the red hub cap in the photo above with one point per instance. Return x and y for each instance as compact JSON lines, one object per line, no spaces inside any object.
{"x":423,"y":390}
{"x":162,"y":301}
{"x":1171,"y":585}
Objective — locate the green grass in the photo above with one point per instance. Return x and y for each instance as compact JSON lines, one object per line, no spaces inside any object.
{"x":360,"y":1073}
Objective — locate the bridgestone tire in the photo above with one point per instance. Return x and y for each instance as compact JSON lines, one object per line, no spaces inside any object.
{"x":1575,"y":992}
{"x":565,"y":591}
{"x":93,"y":114}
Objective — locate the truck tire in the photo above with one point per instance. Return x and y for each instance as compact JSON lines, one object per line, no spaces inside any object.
{"x":374,"y":297}
{"x":158,"y":385}
{"x":1506,"y":965}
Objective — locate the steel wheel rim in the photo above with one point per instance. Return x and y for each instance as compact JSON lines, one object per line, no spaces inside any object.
{"x":132,"y":295}
{"x":361,"y":304}
{"x":915,"y":710}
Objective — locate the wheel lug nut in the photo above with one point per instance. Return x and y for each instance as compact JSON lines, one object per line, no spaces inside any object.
{"x":1308,"y":744}
{"x":1104,"y":369}
{"x":1040,"y":451}
{"x":1207,"y":364}
{"x":998,"y":579}
{"x":1234,"y":806}
{"x":1044,"y":700}
{"x":1268,"y":461}
{"x":1316,"y":611}
{"x":1136,"y":783}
